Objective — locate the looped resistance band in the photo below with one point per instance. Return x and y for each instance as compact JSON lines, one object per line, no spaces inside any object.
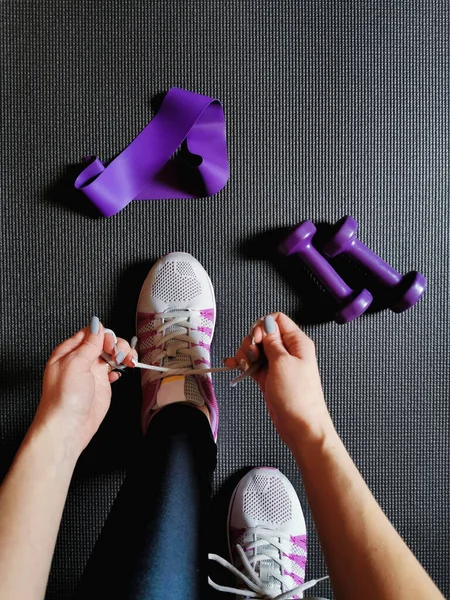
{"x":147,"y":170}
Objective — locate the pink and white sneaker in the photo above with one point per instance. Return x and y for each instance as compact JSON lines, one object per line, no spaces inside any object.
{"x":175,"y":321}
{"x":266,"y":538}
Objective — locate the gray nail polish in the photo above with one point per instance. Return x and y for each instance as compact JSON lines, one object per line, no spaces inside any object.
{"x":134,"y":360}
{"x":251,"y":355}
{"x":119,"y":357}
{"x":95,"y":325}
{"x":269,"y":324}
{"x":133,"y":342}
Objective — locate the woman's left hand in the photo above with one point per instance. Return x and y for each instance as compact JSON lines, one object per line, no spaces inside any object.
{"x":76,"y":392}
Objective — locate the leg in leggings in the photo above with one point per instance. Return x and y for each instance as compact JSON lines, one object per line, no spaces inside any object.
{"x":153,"y":545}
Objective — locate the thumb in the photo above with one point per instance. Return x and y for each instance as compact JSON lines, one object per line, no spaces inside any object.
{"x":272,"y":342}
{"x":92,"y":345}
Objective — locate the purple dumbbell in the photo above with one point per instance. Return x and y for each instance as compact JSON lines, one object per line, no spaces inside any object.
{"x":353,"y":304}
{"x":408,"y":289}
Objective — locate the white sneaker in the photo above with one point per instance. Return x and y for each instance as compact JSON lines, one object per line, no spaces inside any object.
{"x":266,"y":538}
{"x":175,"y":322}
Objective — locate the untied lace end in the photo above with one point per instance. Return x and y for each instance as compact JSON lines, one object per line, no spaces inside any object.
{"x":255,"y":588}
{"x":185,"y":371}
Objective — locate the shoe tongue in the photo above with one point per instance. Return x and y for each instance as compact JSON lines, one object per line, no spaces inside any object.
{"x":178,"y":388}
{"x":267,"y":567}
{"x":172,"y":346}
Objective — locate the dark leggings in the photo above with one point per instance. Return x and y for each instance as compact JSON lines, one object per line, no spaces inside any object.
{"x":153,"y":545}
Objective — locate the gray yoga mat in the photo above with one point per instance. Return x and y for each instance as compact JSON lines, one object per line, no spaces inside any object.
{"x":332,"y":108}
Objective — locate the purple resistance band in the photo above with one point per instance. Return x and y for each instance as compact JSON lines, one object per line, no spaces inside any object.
{"x":145,"y":171}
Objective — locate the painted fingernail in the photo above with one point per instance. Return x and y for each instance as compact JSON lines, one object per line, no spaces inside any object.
{"x":95,"y":325}
{"x":251,"y":356}
{"x":269,"y":324}
{"x":115,"y":349}
{"x":134,"y":360}
{"x":133,"y":342}
{"x":243,"y":365}
{"x":119,"y":357}
{"x":119,"y":374}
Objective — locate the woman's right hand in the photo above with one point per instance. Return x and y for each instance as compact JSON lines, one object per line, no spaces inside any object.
{"x":290,"y":379}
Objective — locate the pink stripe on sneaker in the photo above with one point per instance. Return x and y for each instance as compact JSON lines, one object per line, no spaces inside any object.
{"x":298,"y":580}
{"x":208,"y":313}
{"x":203,"y":345}
{"x":207,"y":390}
{"x":298,"y":559}
{"x":202,"y":361}
{"x":299,"y":540}
{"x":145,"y":335}
{"x":206,"y":330}
{"x":235,"y":533}
{"x":142,"y":317}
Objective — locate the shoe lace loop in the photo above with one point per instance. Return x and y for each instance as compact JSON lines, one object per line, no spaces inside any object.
{"x":182,"y":349}
{"x":255,"y":588}
{"x":177,"y":343}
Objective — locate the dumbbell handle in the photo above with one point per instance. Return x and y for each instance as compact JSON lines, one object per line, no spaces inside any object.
{"x":365,"y":257}
{"x":352,"y":304}
{"x":324,"y":272}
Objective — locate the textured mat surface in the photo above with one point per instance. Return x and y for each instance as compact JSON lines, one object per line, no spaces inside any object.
{"x":332,"y":108}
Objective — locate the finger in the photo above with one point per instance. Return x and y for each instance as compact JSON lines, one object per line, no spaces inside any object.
{"x":272,"y":342}
{"x":246,"y":356}
{"x":122,"y":350}
{"x":296,"y":342}
{"x":249,"y":348}
{"x":231,"y":362}
{"x":114,"y":376}
{"x":257,"y":335}
{"x":67,"y":346}
{"x":109,"y":343}
{"x":294,"y":339}
{"x":242,"y":360}
{"x":92,"y":345}
{"x":131,"y":359}
{"x":252,"y":352}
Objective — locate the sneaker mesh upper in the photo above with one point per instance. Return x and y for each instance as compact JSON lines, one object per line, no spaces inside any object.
{"x":176,"y":282}
{"x":267,"y":500}
{"x":192,"y":392}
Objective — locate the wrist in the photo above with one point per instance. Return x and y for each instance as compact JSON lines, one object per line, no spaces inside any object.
{"x":54,"y":442}
{"x":312,"y":440}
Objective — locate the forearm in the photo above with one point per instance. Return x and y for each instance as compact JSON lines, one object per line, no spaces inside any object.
{"x":32,"y":499}
{"x":366,"y":557}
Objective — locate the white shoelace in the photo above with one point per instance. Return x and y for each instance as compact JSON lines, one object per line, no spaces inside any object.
{"x":248,"y":575}
{"x":183,"y":348}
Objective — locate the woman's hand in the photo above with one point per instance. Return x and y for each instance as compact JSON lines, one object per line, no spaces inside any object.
{"x":76,"y":391}
{"x":290,"y":379}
